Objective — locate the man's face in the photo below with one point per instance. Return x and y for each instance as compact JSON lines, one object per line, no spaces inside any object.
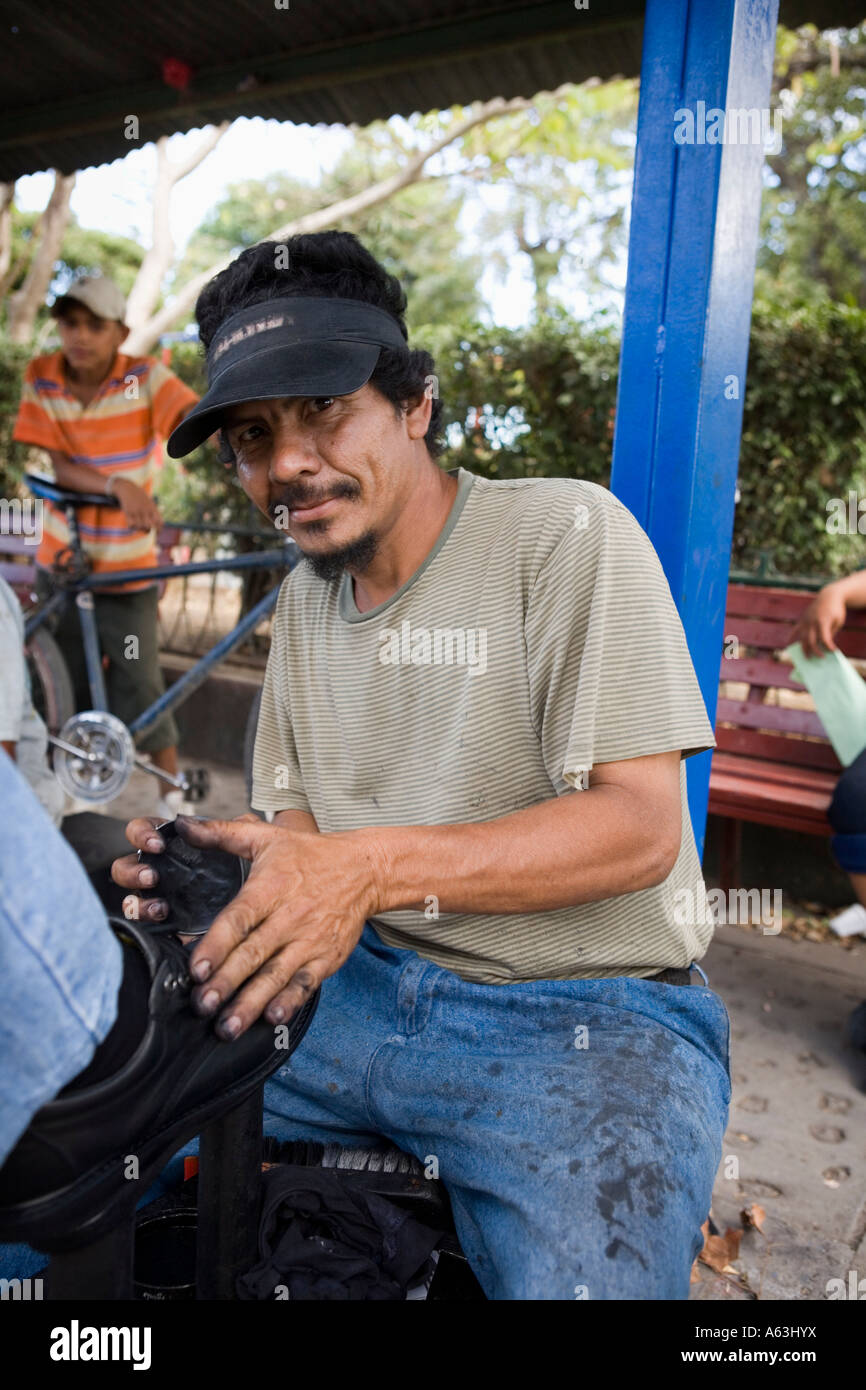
{"x":332,"y":471}
{"x":89,"y":343}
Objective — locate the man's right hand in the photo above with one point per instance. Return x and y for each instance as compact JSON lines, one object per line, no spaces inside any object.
{"x":820,"y":622}
{"x":140,"y":510}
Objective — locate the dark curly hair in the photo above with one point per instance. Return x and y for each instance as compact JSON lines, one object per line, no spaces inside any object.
{"x":332,"y":264}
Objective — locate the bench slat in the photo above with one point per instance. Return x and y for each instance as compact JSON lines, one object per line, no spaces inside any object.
{"x":740,"y":787}
{"x":746,"y":601}
{"x":19,"y":576}
{"x":773,"y":717}
{"x":758,"y":670}
{"x":798,"y":752}
{"x":782,"y":605}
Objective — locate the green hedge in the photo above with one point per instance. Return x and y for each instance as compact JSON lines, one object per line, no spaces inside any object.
{"x":540,"y":403}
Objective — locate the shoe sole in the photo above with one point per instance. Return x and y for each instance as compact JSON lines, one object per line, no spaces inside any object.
{"x":59,"y":1221}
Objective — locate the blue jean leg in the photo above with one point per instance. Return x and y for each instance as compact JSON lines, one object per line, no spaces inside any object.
{"x":60,"y":963}
{"x":847,"y":815}
{"x":579,"y":1163}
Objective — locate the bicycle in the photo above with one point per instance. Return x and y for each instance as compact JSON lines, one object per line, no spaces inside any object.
{"x":94,"y":751}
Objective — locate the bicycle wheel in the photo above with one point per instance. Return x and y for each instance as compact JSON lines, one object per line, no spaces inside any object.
{"x":250,"y":743}
{"x":50,"y":683}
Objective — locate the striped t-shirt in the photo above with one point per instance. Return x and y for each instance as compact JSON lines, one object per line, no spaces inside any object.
{"x":538,"y":638}
{"x":118,"y":432}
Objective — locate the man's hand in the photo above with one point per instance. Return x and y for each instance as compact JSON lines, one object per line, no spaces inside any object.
{"x":140,"y":510}
{"x":820,"y":622}
{"x":296,"y":920}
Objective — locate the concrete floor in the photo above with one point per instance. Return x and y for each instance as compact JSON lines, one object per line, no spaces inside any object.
{"x":797,"y":1126}
{"x":797,"y":1123}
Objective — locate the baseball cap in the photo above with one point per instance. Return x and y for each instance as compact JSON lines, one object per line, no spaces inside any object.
{"x":97,"y":293}
{"x":298,"y":345}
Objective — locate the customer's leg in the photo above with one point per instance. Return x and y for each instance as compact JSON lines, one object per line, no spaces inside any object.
{"x":577,"y":1126}
{"x":847,"y":815}
{"x":60,"y":964}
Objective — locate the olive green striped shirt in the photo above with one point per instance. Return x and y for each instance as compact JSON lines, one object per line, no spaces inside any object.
{"x":538,"y":639}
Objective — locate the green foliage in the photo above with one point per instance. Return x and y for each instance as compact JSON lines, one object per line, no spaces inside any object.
{"x":531,"y":403}
{"x":804,"y":437}
{"x":200,"y":487}
{"x":13,"y":457}
{"x":813,"y":216}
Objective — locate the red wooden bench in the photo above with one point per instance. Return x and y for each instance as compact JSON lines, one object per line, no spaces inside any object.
{"x":773,"y":764}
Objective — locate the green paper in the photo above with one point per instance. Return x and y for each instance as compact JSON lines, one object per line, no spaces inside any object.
{"x":840,"y":698}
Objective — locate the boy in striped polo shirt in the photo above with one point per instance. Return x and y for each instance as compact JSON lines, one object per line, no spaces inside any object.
{"x":101,"y":415}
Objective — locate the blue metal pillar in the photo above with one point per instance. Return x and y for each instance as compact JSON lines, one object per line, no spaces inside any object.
{"x":693,"y":240}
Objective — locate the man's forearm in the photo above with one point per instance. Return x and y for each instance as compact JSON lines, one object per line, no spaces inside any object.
{"x":581,"y":847}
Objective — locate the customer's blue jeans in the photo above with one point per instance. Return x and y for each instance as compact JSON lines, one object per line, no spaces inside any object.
{"x":847,"y":815}
{"x":60,"y":964}
{"x":577,"y":1124}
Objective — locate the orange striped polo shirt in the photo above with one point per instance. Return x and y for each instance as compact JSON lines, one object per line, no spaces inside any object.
{"x":119,"y":432}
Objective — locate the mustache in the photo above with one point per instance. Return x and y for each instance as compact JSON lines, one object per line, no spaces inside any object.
{"x":293,"y":496}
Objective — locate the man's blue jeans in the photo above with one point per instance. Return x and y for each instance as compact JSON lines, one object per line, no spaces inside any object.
{"x":577,"y":1124}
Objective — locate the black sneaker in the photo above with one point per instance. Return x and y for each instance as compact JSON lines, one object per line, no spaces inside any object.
{"x":67,"y":1180}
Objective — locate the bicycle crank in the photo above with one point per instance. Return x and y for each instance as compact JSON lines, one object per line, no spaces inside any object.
{"x":93,"y":756}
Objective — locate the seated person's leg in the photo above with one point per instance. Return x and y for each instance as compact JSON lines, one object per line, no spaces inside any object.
{"x":577,"y":1125}
{"x":847,"y":815}
{"x":61,"y":965}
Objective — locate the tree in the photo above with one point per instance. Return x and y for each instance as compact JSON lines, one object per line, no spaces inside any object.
{"x":564,"y":189}
{"x":83,"y":251}
{"x":146,"y":291}
{"x":813,"y":242}
{"x":441,"y":130}
{"x":25,"y":302}
{"x":414,"y":234}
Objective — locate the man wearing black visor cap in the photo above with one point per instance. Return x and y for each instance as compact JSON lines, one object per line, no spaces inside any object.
{"x":472,"y":736}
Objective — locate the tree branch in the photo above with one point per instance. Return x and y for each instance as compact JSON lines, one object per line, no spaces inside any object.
{"x":160,"y":254}
{"x":145,"y":334}
{"x":27,"y":301}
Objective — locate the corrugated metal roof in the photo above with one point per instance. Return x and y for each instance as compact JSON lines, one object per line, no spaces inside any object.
{"x":72,"y":74}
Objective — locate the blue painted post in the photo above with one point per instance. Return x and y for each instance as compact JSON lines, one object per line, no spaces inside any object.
{"x":693,"y":240}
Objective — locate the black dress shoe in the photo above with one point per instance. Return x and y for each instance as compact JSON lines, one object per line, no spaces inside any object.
{"x":67,"y":1180}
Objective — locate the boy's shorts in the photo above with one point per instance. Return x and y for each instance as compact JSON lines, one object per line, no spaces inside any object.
{"x":132,"y":682}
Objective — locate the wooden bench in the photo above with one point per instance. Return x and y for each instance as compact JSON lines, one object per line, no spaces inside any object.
{"x":773,"y":764}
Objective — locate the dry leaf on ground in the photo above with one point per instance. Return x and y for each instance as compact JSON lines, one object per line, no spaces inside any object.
{"x":753,"y":1215}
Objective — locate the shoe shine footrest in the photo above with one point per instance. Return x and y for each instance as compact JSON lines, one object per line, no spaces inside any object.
{"x":196,"y":883}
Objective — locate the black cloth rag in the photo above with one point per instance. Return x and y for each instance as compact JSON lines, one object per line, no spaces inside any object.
{"x":324,"y":1237}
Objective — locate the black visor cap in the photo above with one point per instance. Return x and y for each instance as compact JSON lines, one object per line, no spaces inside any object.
{"x":294,"y":346}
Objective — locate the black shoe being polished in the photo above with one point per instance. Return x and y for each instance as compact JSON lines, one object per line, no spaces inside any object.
{"x":66,"y":1180}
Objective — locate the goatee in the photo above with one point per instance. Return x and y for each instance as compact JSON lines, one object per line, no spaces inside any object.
{"x":355,"y":556}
